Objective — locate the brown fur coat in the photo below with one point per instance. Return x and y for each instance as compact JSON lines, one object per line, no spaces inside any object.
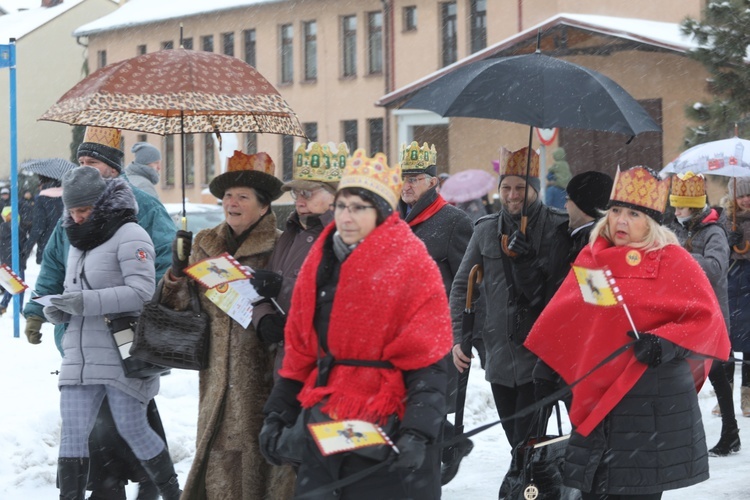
{"x":234,"y":387}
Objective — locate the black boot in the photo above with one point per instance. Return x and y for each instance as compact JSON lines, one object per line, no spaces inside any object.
{"x":729,"y":443}
{"x":452,"y":460}
{"x":72,"y":475}
{"x":147,"y":490}
{"x":161,"y":471}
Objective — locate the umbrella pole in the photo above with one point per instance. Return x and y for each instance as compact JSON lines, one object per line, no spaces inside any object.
{"x":183,"y":168}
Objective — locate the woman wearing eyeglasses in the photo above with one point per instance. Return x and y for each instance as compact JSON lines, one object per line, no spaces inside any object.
{"x":313,"y":189}
{"x":367,"y":332}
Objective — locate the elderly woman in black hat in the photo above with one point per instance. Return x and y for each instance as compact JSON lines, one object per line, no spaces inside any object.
{"x":238,"y":379}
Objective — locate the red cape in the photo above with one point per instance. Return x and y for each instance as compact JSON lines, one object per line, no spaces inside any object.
{"x":667,"y":294}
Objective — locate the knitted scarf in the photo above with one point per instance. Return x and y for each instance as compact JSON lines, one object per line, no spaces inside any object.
{"x":378,"y":314}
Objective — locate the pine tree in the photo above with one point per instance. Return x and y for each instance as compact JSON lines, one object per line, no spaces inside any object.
{"x":723,"y":37}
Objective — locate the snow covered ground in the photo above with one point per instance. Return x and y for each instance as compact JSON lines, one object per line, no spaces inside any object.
{"x":30,"y":428}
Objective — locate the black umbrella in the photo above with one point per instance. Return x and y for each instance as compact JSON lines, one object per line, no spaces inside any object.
{"x":467,"y":328}
{"x":535,"y":90}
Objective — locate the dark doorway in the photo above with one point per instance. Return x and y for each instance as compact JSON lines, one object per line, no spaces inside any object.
{"x":437,"y":135}
{"x":604,"y":151}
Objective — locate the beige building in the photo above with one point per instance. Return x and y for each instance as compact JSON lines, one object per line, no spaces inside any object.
{"x":345,"y":66}
{"x":48,"y":63}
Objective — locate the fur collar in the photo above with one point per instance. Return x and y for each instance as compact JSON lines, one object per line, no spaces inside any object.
{"x":263,"y":239}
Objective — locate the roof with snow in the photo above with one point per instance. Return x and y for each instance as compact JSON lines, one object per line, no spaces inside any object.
{"x":558,"y":41}
{"x":140,"y":12}
{"x":18,"y":23}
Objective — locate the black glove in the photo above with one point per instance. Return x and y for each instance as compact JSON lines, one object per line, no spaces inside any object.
{"x":267,"y":283}
{"x":181,"y":247}
{"x":269,"y":437}
{"x":271,"y":328}
{"x":543,"y":388}
{"x":647,"y":349}
{"x":735,"y":238}
{"x":521,"y":246}
{"x":412,"y":447}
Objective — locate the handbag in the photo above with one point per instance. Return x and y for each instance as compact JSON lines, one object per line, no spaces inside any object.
{"x":177,"y":339}
{"x":536,"y":469}
{"x":123,"y":335}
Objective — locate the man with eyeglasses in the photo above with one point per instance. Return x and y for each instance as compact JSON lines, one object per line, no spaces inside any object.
{"x":317,"y":171}
{"x":445,"y":230}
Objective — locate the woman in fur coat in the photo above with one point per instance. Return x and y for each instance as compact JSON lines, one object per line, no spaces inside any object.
{"x":239,"y":376}
{"x":365,"y":341}
{"x":110,"y":272}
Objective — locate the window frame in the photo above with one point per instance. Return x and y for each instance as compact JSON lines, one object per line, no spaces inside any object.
{"x":227,"y":43}
{"x":477,"y":34}
{"x":207,"y":40}
{"x":374,"y":44}
{"x":348,"y":47}
{"x":310,"y":50}
{"x":286,"y":53}
{"x":250,"y":40}
{"x":448,"y":33}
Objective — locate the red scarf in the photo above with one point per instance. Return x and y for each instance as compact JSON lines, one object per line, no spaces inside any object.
{"x":429,"y":211}
{"x":378,"y":314}
{"x":667,"y":294}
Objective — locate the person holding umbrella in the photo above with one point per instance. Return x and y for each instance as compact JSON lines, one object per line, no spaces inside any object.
{"x":637,"y":428}
{"x":364,"y":343}
{"x":239,"y":373}
{"x":518,"y":283}
{"x":445,"y":231}
{"x":699,"y":231}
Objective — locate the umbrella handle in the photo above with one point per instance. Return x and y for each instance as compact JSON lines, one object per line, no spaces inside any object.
{"x":743,"y":250}
{"x":475,"y":278}
{"x":504,"y":240}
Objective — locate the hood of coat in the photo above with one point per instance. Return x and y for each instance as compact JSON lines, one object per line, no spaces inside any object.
{"x":117,"y":196}
{"x":144,"y":171}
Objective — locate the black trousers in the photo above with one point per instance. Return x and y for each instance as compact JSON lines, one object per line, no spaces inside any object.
{"x":723,"y":390}
{"x":729,"y":367}
{"x":510,"y":400}
{"x":594,"y":496}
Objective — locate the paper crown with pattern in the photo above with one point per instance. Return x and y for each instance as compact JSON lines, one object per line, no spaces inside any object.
{"x":105,"y":136}
{"x":416,"y":160}
{"x":320,"y":162}
{"x":688,"y":190}
{"x":641,"y":189}
{"x":515,"y":164}
{"x":373,"y":174}
{"x":254,"y":171}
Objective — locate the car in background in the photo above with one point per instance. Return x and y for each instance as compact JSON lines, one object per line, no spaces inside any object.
{"x":199,"y":215}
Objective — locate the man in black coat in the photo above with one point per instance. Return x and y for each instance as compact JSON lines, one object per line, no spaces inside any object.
{"x":445,"y":231}
{"x":587,"y":197}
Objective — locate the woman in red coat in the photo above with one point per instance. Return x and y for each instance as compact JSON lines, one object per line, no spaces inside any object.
{"x":367,"y":332}
{"x":637,"y":424}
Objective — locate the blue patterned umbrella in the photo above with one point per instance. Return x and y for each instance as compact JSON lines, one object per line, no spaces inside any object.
{"x":54,"y":168}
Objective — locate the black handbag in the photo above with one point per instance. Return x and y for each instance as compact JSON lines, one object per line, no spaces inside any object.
{"x":536,"y":469}
{"x":177,"y":339}
{"x":122,"y":330}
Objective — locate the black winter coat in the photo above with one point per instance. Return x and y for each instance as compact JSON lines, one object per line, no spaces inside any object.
{"x":47,"y":211}
{"x":652,"y":441}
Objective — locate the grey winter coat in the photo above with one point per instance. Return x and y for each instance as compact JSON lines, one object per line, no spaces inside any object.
{"x":143,"y":177}
{"x":706,"y":240}
{"x":536,"y":281}
{"x":116,"y":278}
{"x":652,"y":441}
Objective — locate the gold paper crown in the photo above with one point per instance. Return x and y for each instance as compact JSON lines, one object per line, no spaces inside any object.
{"x":373,"y":174}
{"x":642,"y":190}
{"x":688,"y":190}
{"x":515,"y":163}
{"x":319,"y":162}
{"x":105,"y":136}
{"x":415,"y":158}
{"x":259,"y":162}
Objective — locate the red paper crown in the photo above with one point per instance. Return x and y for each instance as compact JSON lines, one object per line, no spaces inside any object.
{"x":688,"y":190}
{"x":641,"y":189}
{"x":515,"y":163}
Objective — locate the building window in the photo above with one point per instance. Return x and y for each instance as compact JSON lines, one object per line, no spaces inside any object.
{"x":142,"y":138}
{"x":227,"y":41}
{"x":187,"y":43}
{"x":207,"y":43}
{"x":448,"y":30}
{"x":287,"y":157}
{"x":375,"y":42}
{"x":251,"y":143}
{"x":101,"y":58}
{"x":375,"y":131}
{"x":141,"y":50}
{"x":349,"y":43}
{"x":410,"y":18}
{"x":311,"y":131}
{"x":189,"y":159}
{"x":169,"y":160}
{"x":349,"y":131}
{"x":287,"y":62}
{"x":311,"y":50}
{"x":167,"y":45}
{"x":250,"y":47}
{"x":478,"y":25}
{"x":209,"y":158}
